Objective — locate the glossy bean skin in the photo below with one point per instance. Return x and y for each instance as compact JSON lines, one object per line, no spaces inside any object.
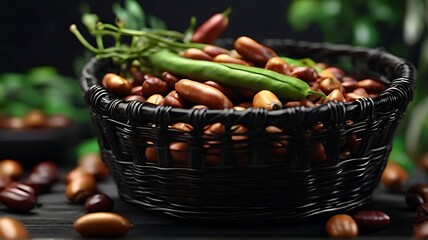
{"x":267,"y":100}
{"x":307,"y":74}
{"x":342,"y":226}
{"x":212,"y":28}
{"x":102,"y":225}
{"x":156,"y":99}
{"x":224,"y":58}
{"x":99,"y":203}
{"x":170,"y":79}
{"x":43,"y":176}
{"x":80,"y":189}
{"x":154,"y":85}
{"x":394,"y":177}
{"x":117,"y":85}
{"x":11,"y":168}
{"x":195,"y":53}
{"x":18,"y":197}
{"x":174,"y":99}
{"x":278,"y":65}
{"x":371,"y":220}
{"x":416,"y":195}
{"x":214,"y":50}
{"x":200,"y":93}
{"x":253,"y":51}
{"x":93,"y":164}
{"x":11,"y":228}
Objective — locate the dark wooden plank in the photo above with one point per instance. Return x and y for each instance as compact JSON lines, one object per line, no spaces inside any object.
{"x":55,"y":217}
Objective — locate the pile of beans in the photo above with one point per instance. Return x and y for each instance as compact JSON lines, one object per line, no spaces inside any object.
{"x":19,"y":194}
{"x":81,"y":188}
{"x":175,"y":91}
{"x":35,"y":119}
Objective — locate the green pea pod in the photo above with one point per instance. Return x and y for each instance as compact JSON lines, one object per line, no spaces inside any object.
{"x":234,"y":75}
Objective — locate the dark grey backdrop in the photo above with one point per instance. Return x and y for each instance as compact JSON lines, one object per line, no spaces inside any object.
{"x":36,"y":33}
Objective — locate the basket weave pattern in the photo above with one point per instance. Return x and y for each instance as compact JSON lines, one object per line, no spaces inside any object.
{"x":248,"y":180}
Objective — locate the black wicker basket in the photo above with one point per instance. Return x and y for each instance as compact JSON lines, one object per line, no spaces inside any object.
{"x":289,"y":189}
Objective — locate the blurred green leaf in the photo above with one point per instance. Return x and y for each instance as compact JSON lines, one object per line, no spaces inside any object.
{"x":87,"y":146}
{"x":90,"y":20}
{"x":330,"y":8}
{"x":365,"y":33}
{"x":301,"y":13}
{"x":155,"y":22}
{"x":123,"y":16}
{"x":413,"y":21}
{"x":190,"y":30}
{"x":16,"y":109}
{"x":136,"y":13}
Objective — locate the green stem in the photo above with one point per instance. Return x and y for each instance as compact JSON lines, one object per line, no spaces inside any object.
{"x":76,"y":32}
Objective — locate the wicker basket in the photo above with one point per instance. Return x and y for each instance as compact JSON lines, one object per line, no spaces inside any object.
{"x":289,"y":189}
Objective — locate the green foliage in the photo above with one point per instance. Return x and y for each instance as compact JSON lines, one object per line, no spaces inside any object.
{"x":41,"y":88}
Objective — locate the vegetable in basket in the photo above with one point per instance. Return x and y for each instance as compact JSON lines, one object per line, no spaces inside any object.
{"x":159,"y":51}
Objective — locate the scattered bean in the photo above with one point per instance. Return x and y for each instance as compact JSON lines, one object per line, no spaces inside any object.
{"x":369,"y":220}
{"x":80,"y":189}
{"x":416,"y":195}
{"x":394,"y":177}
{"x":11,"y":228}
{"x":102,"y":225}
{"x":99,"y":203}
{"x":341,"y":226}
{"x":18,"y":197}
{"x":11,"y":168}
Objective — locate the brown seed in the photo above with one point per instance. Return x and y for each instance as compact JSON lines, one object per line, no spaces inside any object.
{"x":416,"y":195}
{"x":307,"y":74}
{"x":102,"y":225}
{"x":332,"y":72}
{"x":80,"y":189}
{"x":18,"y":197}
{"x":58,"y":121}
{"x":371,"y":85}
{"x":370,"y":220}
{"x":155,"y":99}
{"x":11,"y":168}
{"x":35,"y":119}
{"x":100,"y":202}
{"x":267,"y":100}
{"x":194,"y":53}
{"x":394,"y":177}
{"x":154,"y":85}
{"x":92,"y":163}
{"x":76,"y":173}
{"x":11,"y":228}
{"x":278,"y":65}
{"x":178,"y":152}
{"x":117,"y":85}
{"x":225,"y":58}
{"x":342,"y":226}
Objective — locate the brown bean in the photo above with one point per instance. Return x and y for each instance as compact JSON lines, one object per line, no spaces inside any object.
{"x":253,"y":51}
{"x":371,"y":85}
{"x":138,"y":77}
{"x":11,"y":168}
{"x":334,"y":72}
{"x":117,"y":85}
{"x":335,"y":95}
{"x":370,"y":220}
{"x":76,"y":173}
{"x":80,"y":189}
{"x":416,"y":195}
{"x":342,"y":226}
{"x":194,"y":53}
{"x":93,"y":164}
{"x":170,"y":79}
{"x":361,"y":91}
{"x":225,"y":58}
{"x":154,"y":85}
{"x":214,"y":50}
{"x":185,"y":127}
{"x":350,"y":97}
{"x":18,"y":197}
{"x":267,"y":100}
{"x":318,"y":156}
{"x":4,"y":181}
{"x":102,"y":225}
{"x":174,"y":99}
{"x":43,"y":176}
{"x":151,"y":154}
{"x":35,"y":119}
{"x":138,"y":98}
{"x":12,"y":123}
{"x":155,"y":99}
{"x":327,"y":85}
{"x":200,"y":93}
{"x":307,"y":74}
{"x":278,"y":65}
{"x":11,"y":228}
{"x":178,"y":153}
{"x":58,"y":121}
{"x":229,"y":92}
{"x":100,"y":202}
{"x":394,"y":177}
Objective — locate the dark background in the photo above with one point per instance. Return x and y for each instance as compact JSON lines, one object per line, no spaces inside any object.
{"x":36,"y":33}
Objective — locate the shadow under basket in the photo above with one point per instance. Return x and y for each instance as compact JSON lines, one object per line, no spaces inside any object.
{"x":256,"y":174}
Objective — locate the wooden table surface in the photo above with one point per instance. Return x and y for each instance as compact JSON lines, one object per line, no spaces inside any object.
{"x":54,"y":220}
